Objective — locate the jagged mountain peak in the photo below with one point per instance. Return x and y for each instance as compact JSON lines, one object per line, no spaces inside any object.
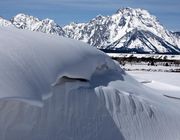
{"x":49,"y":21}
{"x":98,"y":17}
{"x":137,"y":18}
{"x":21,"y":17}
{"x":105,"y":31}
{"x":4,"y":22}
{"x":141,"y":14}
{"x":24,"y":21}
{"x":133,"y":11}
{"x":24,"y":16}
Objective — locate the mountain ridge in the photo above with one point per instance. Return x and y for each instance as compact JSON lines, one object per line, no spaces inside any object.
{"x":127,"y":30}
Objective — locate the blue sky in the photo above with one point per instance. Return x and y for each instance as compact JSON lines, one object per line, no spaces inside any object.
{"x":66,"y":11}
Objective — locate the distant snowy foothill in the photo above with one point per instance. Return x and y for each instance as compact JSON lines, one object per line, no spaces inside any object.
{"x":55,"y":88}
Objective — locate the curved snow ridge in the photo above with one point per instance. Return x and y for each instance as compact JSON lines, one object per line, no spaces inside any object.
{"x":31,"y":63}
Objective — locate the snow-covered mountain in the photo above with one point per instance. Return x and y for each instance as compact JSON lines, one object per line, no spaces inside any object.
{"x":128,"y":30}
{"x":23,"y":21}
{"x":4,"y":22}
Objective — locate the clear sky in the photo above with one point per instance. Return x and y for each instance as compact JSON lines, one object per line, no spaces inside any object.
{"x":66,"y":11}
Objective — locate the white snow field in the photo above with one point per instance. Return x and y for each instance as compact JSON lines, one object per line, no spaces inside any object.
{"x":54,"y":88}
{"x":166,"y":82}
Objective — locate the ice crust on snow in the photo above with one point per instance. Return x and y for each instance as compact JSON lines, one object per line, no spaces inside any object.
{"x":91,"y":98}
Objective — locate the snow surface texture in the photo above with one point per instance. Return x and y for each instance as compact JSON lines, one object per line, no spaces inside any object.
{"x":157,"y":80}
{"x":128,"y":30}
{"x":53,"y":88}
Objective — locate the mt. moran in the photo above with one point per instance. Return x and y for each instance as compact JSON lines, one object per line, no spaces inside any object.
{"x":128,"y":30}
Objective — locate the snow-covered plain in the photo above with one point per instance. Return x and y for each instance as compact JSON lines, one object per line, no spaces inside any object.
{"x":166,"y":82}
{"x":170,"y":78}
{"x":54,"y":88}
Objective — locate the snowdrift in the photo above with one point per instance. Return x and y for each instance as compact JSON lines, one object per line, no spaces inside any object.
{"x":30,"y":63}
{"x":54,"y":88}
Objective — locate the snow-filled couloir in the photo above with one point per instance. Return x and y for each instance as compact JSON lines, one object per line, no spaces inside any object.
{"x":54,"y":88}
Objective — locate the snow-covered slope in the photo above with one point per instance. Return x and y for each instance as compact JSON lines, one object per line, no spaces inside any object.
{"x":23,"y":21}
{"x":54,"y":88}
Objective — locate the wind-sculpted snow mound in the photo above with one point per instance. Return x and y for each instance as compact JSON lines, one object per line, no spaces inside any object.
{"x":53,"y":88}
{"x":30,"y":63}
